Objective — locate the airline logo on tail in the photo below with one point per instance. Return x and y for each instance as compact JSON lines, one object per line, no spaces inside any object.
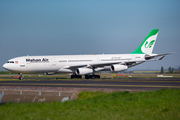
{"x":150,"y":44}
{"x":147,"y":45}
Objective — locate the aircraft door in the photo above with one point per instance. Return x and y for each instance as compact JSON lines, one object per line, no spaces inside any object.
{"x":22,"y":63}
{"x":98,"y":60}
{"x":52,"y":62}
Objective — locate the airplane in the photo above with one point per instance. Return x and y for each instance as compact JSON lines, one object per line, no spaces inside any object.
{"x":86,"y":65}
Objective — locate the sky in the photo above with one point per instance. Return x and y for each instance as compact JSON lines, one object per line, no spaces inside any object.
{"x":73,"y":27}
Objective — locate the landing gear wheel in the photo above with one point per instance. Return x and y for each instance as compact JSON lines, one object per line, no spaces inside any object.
{"x":92,"y":76}
{"x":72,"y":76}
{"x":76,"y":76}
{"x":87,"y":76}
{"x":80,"y":76}
{"x":20,"y":76}
{"x":98,"y":76}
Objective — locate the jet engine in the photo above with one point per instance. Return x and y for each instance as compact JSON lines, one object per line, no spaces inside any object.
{"x":83,"y":71}
{"x":117,"y":68}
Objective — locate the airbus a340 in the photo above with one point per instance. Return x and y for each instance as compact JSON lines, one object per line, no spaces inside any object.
{"x":85,"y":64}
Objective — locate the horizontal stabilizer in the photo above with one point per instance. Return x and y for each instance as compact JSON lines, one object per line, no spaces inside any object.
{"x":161,"y":57}
{"x":163,"y":54}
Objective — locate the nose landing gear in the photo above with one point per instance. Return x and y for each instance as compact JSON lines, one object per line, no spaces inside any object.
{"x":20,"y":76}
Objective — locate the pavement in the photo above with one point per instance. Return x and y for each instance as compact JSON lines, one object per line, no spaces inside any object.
{"x":141,"y":84}
{"x":48,"y":90}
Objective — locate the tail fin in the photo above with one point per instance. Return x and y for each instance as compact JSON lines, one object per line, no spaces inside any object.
{"x":147,"y":45}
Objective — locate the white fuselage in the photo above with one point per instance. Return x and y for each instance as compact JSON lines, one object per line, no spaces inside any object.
{"x":61,"y":63}
{"x":86,"y":64}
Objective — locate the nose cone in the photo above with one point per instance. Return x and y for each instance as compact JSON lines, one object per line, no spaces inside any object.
{"x":5,"y":66}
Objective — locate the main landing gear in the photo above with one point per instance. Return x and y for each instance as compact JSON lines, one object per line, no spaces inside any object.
{"x":86,"y":76}
{"x":92,"y":76}
{"x":20,"y":76}
{"x":76,"y":76}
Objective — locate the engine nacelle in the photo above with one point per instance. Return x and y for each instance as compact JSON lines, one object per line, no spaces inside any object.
{"x":117,"y":68}
{"x":83,"y":71}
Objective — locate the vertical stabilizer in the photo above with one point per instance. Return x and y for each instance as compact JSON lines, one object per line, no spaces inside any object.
{"x":147,"y":45}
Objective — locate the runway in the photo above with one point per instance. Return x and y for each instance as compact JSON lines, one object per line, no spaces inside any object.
{"x":130,"y":83}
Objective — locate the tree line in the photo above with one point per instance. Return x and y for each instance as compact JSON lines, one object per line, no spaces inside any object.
{"x":170,"y":70}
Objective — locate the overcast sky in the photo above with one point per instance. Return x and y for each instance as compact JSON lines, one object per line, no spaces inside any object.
{"x":60,"y":27}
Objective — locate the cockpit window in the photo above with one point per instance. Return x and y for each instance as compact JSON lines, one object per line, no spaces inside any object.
{"x":10,"y":61}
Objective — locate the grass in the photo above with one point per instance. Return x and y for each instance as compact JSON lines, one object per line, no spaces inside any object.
{"x":157,"y":105}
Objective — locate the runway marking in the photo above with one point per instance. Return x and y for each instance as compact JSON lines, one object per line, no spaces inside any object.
{"x":29,"y":84}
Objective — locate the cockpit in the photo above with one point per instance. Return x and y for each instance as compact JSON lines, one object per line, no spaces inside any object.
{"x":10,"y":61}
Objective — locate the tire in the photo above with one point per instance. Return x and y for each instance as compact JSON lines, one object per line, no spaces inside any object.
{"x":87,"y":76}
{"x":93,"y":76}
{"x":72,"y":76}
{"x":76,"y":76}
{"x":80,"y":76}
{"x":20,"y":78}
{"x":98,"y":76}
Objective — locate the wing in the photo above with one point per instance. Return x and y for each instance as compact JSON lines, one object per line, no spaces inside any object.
{"x":91,"y":65}
{"x":129,"y":63}
{"x":97,"y":65}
